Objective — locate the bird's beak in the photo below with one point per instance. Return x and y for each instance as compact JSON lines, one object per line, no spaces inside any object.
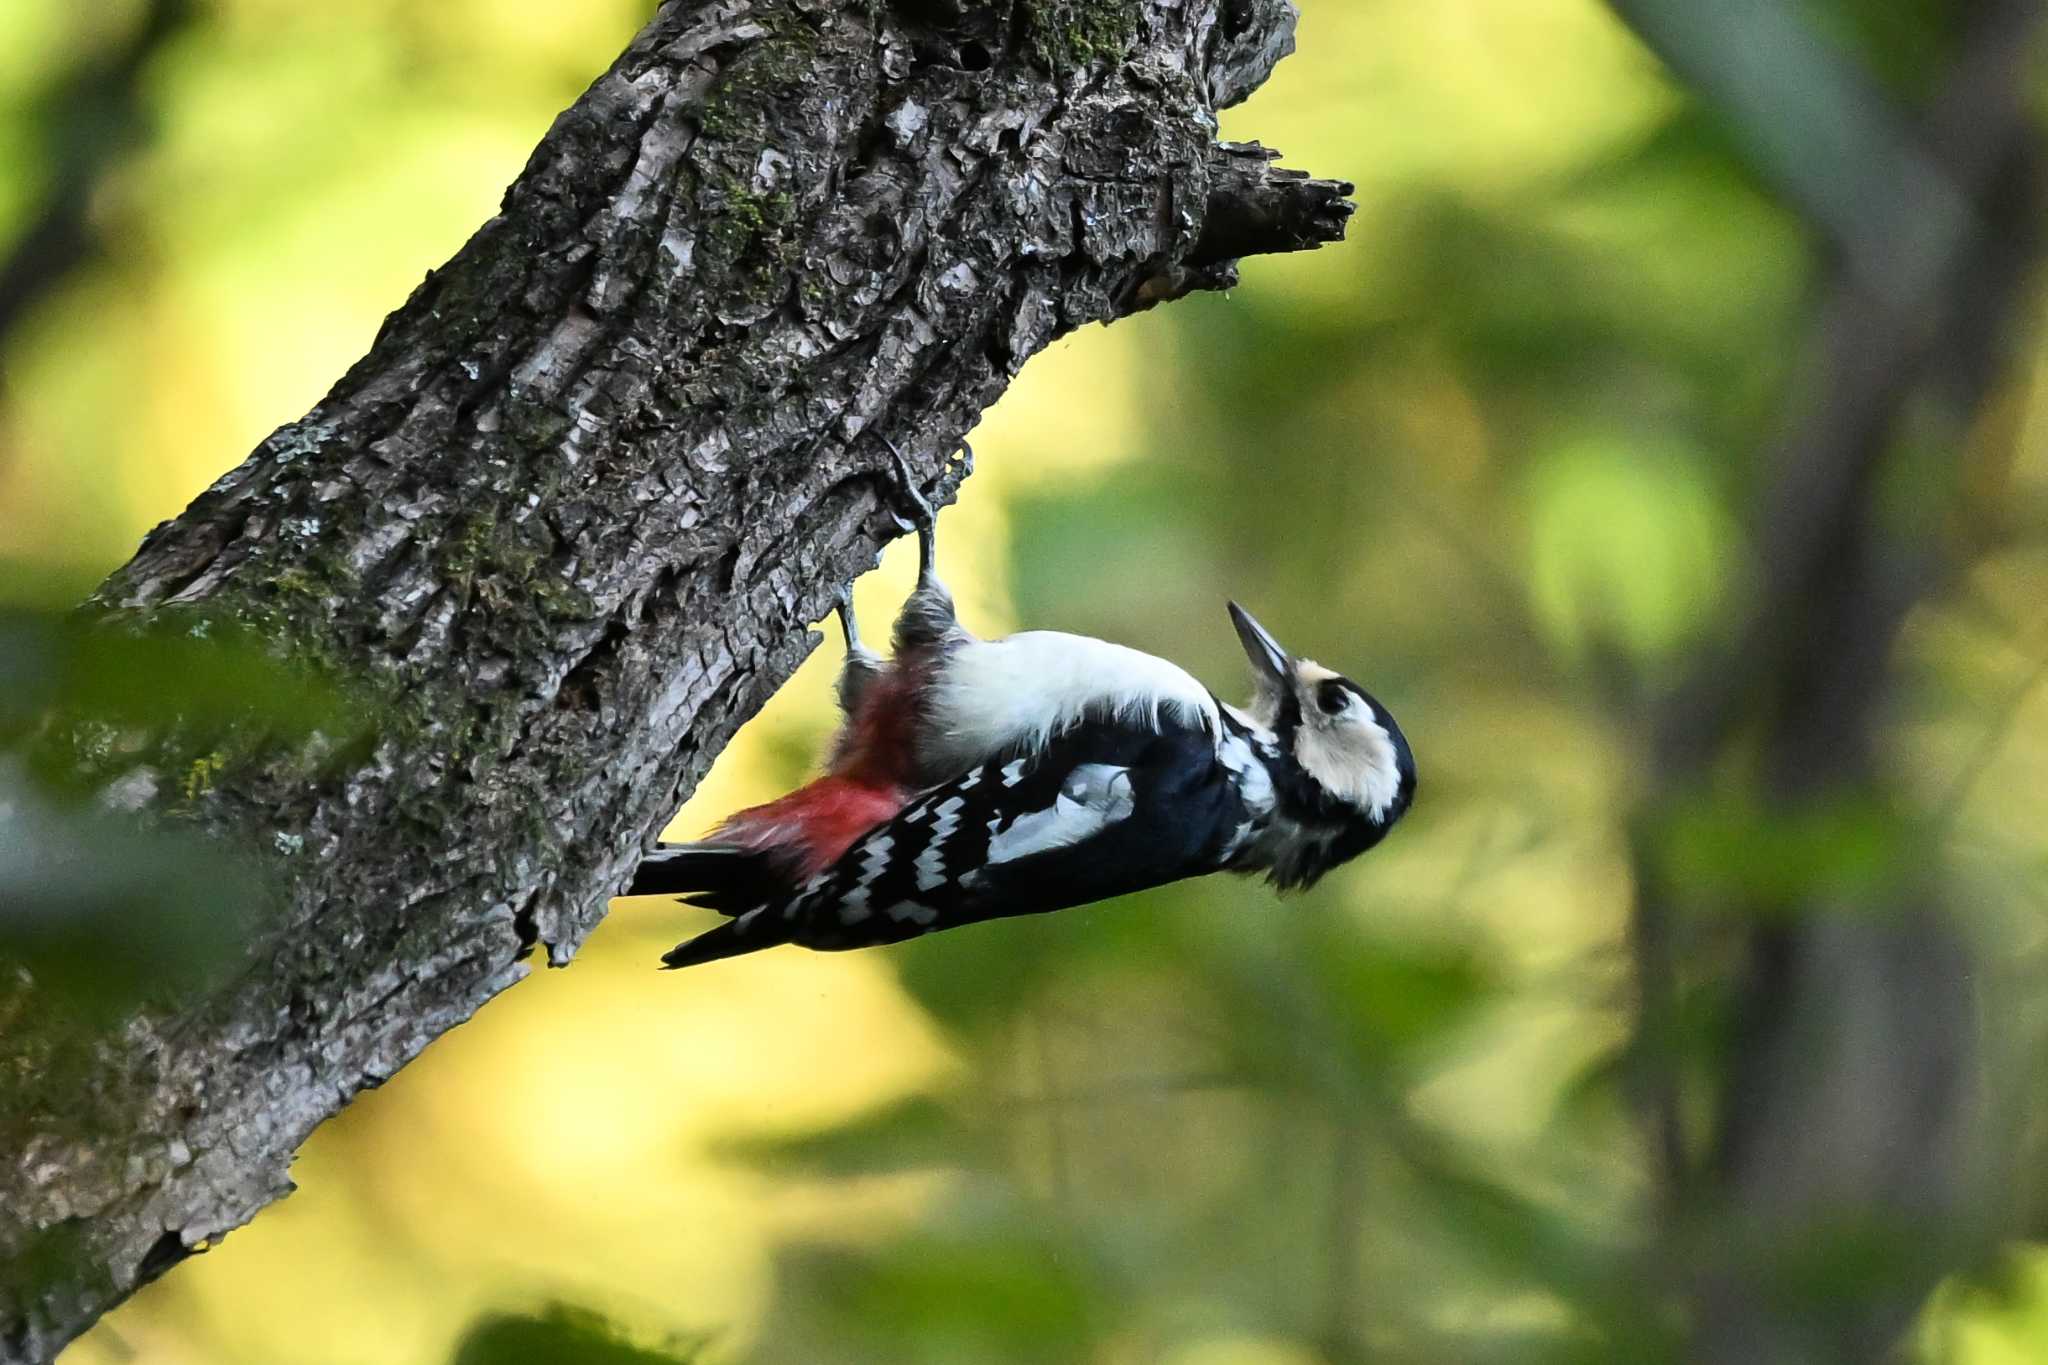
{"x":1261,"y":648}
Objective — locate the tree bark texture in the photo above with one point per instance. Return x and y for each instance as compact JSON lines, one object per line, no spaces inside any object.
{"x":572,"y":513}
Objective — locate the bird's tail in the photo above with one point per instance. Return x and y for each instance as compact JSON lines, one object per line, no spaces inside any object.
{"x":727,"y":940}
{"x":740,"y":882}
{"x":721,"y":877}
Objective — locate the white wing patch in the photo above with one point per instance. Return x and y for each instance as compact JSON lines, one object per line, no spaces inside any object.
{"x":997,"y":694}
{"x":1094,"y":797}
{"x":1254,"y":784}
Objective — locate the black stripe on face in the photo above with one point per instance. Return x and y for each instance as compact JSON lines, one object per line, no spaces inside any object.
{"x":1288,"y":720}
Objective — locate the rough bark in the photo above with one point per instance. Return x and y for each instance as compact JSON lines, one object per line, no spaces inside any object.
{"x":570,"y":516}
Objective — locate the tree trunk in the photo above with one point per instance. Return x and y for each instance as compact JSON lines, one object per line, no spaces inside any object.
{"x":571,"y":515}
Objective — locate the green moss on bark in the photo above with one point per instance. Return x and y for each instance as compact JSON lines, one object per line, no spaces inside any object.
{"x":1071,"y":33}
{"x":742,"y":104}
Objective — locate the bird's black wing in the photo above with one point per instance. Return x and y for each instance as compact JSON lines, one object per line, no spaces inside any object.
{"x":1100,"y":811}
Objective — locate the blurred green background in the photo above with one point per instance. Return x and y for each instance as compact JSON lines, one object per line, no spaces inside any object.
{"x":1498,"y":456}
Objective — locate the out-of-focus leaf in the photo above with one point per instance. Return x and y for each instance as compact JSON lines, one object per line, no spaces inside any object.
{"x":1594,"y":1088}
{"x":996,"y":1292}
{"x":1841,"y":1264}
{"x":1536,"y":1245}
{"x":106,"y":915}
{"x":562,"y":1335}
{"x":165,"y":711}
{"x":1394,"y":997}
{"x":919,"y":1131}
{"x":982,"y":983}
{"x":978,"y":978}
{"x":1997,"y":1315}
{"x":1334,"y":1010}
{"x":182,"y":669}
{"x":1629,"y":547}
{"x":1743,"y":851}
{"x":102,"y":912}
{"x":1908,"y":42}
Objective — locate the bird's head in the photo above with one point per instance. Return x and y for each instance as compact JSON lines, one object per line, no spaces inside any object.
{"x":1341,"y":739}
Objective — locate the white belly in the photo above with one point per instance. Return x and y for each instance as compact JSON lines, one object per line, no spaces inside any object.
{"x":995,"y":694}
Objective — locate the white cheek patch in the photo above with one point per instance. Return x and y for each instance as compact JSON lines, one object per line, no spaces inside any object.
{"x":1349,"y":754}
{"x":1353,"y":760}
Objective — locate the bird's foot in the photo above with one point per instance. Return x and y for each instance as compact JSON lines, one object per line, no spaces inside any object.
{"x":842,"y":607}
{"x":922,"y":519}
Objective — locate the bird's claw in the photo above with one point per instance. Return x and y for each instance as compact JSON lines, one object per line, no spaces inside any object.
{"x":922,"y":516}
{"x":922,"y":520}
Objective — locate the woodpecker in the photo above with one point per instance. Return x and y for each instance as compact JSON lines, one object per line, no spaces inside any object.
{"x":978,"y":779}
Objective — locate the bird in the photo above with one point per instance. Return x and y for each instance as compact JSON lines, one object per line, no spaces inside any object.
{"x":976,"y":779}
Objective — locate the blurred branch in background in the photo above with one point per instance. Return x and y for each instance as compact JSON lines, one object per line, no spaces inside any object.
{"x":89,"y":122}
{"x":1844,"y":1171}
{"x":1823,"y":131}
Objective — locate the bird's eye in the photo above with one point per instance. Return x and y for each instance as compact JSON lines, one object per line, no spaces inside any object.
{"x":1333,"y":697}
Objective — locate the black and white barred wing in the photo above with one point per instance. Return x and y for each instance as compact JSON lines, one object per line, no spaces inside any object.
{"x":1097,"y":813}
